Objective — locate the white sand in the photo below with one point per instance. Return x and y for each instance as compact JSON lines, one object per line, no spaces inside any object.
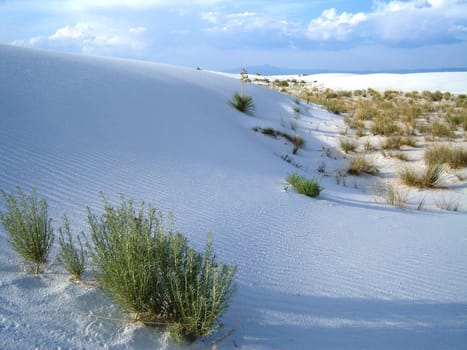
{"x":338,"y":272}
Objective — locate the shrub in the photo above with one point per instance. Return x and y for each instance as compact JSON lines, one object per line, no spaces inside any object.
{"x":359,"y":164}
{"x":456,"y":157}
{"x":302,"y":185}
{"x":29,"y":227}
{"x":366,"y":111}
{"x":431,"y":177}
{"x":347,"y":145}
{"x":151,"y":271}
{"x":244,"y":104}
{"x":72,"y":257}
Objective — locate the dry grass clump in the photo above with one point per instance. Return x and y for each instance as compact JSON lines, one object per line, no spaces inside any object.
{"x":366,"y":110}
{"x":396,"y":142}
{"x":297,"y":141}
{"x":392,"y":195}
{"x":347,"y":145}
{"x":454,"y":156}
{"x":361,"y":165}
{"x":431,"y":177}
{"x":439,"y":129}
{"x":450,"y":203}
{"x":384,"y":126}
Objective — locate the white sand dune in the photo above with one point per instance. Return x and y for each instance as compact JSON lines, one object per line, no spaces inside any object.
{"x":338,"y":272}
{"x":454,"y":82}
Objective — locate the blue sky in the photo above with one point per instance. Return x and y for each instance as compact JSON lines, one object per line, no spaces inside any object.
{"x":220,"y":34}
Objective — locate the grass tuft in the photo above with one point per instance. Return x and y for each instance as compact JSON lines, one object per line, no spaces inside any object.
{"x":360,"y":164}
{"x":430,"y":178}
{"x":302,"y":185}
{"x":455,"y":157}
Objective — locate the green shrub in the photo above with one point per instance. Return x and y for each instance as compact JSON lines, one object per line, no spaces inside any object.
{"x":72,"y":257}
{"x":149,"y":270}
{"x":29,"y":227}
{"x":244,"y":104}
{"x":302,"y":185}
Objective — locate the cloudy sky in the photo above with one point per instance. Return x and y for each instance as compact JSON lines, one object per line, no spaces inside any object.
{"x":221,"y":34}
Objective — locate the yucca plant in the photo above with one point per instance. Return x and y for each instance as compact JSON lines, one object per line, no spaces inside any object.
{"x":71,"y":256}
{"x":244,"y":103}
{"x":27,"y":223}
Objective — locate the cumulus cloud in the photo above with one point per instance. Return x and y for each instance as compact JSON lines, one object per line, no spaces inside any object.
{"x":90,"y":38}
{"x":395,"y":23}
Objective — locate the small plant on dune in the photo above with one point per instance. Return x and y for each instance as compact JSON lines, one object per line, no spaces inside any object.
{"x":71,"y":256}
{"x":450,"y":203}
{"x":431,"y":177}
{"x":441,"y":130}
{"x":302,"y":185}
{"x":298,"y":142}
{"x":455,"y":157}
{"x":27,"y":223}
{"x":360,"y":164}
{"x":151,"y":271}
{"x":244,"y":104}
{"x":384,"y":126}
{"x":347,"y":145}
{"x":392,"y":195}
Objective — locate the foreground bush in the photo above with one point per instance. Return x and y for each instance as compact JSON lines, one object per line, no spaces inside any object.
{"x":302,"y":185}
{"x":244,"y":104}
{"x":27,"y":223}
{"x":72,"y":257}
{"x":151,"y":271}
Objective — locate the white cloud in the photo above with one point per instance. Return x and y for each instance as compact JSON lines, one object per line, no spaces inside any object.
{"x":330,"y":25}
{"x":137,"y":30}
{"x":77,"y":31}
{"x":400,"y":23}
{"x":90,"y":38}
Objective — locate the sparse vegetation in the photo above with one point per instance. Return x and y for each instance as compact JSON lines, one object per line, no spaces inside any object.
{"x":454,"y":156}
{"x":29,"y":227}
{"x":449,"y":203}
{"x":392,"y":195}
{"x":302,"y":185}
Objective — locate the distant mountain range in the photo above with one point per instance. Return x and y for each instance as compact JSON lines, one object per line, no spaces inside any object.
{"x":272,"y":70}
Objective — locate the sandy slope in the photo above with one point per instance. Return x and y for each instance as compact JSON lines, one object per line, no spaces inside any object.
{"x":339,"y":272}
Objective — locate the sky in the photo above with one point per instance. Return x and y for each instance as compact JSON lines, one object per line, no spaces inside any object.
{"x":335,"y":35}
